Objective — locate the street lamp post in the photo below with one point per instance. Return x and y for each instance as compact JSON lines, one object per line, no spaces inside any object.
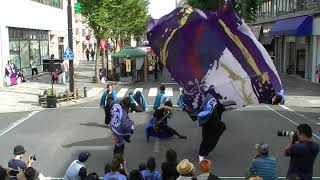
{"x":244,"y":9}
{"x":70,"y":44}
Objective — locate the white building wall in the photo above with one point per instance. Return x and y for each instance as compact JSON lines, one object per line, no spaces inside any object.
{"x":315,"y":46}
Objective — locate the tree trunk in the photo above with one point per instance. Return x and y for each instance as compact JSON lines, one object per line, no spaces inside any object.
{"x":104,"y":64}
{"x":97,"y":68}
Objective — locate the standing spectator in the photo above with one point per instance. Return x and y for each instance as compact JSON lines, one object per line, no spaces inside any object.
{"x":107,"y":168}
{"x":31,"y":174}
{"x":77,"y":169}
{"x":87,"y":54}
{"x":16,"y":162}
{"x":302,"y":154}
{"x":156,"y":69}
{"x":114,"y":174}
{"x":142,"y":166}
{"x":150,"y":173}
{"x":92,"y":54}
{"x":168,"y":168}
{"x":161,"y":68}
{"x":263,"y":165}
{"x":34,"y":69}
{"x":186,"y":170}
{"x":161,"y":98}
{"x":106,"y":102}
{"x":135,"y":175}
{"x":62,"y":73}
{"x":205,"y":167}
{"x":66,"y":70}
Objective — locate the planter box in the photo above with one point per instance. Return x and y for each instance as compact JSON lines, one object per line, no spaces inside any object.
{"x":51,"y":101}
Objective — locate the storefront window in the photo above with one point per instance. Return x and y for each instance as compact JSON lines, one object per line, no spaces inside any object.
{"x":27,"y":44}
{"x":24,"y":54}
{"x":14,"y":53}
{"x":44,"y":49}
{"x":35,"y":51}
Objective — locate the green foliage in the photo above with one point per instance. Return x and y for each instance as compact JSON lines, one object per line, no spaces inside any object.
{"x":251,"y":6}
{"x":206,"y":4}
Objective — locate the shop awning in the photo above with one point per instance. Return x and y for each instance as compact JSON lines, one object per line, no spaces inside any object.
{"x":129,"y":53}
{"x":300,"y":26}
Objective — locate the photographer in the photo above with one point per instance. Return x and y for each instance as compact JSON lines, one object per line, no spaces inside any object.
{"x":16,"y":162}
{"x":264,"y":165}
{"x":302,"y":153}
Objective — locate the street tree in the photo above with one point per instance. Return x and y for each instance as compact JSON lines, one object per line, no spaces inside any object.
{"x":251,"y":6}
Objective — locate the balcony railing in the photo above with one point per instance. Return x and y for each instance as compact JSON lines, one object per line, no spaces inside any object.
{"x":272,"y":10}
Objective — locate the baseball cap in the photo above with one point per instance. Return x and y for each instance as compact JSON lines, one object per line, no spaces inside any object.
{"x":262,"y":147}
{"x":83,"y":156}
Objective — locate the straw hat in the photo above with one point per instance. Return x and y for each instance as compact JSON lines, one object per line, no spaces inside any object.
{"x":185,"y":167}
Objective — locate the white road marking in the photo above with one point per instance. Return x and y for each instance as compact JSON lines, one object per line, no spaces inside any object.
{"x":153,"y":92}
{"x":286,"y":108}
{"x":138,"y":89}
{"x":122,"y":92}
{"x":285,"y":117}
{"x":94,"y":91}
{"x":18,"y":122}
{"x":314,"y":101}
{"x":169,"y":92}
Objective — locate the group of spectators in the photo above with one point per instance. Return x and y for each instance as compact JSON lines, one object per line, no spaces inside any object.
{"x":301,"y":150}
{"x":117,"y":170}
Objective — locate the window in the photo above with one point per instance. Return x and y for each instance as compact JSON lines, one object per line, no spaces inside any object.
{"x":83,"y":32}
{"x":27,"y":44}
{"x":52,"y":3}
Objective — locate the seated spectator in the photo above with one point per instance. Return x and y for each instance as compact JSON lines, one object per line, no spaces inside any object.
{"x":150,"y":173}
{"x":256,"y":178}
{"x":205,"y":167}
{"x":186,"y":170}
{"x":142,"y":166}
{"x":168,"y":168}
{"x":3,"y":173}
{"x":31,"y":174}
{"x":302,"y":153}
{"x":16,"y":162}
{"x":107,"y":168}
{"x":77,"y":169}
{"x":138,"y":102}
{"x":123,"y":169}
{"x":264,"y":165}
{"x":92,"y":176}
{"x":115,"y":172}
{"x":135,"y":175}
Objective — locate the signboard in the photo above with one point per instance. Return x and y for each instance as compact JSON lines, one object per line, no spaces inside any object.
{"x":128,"y":65}
{"x":68,"y":54}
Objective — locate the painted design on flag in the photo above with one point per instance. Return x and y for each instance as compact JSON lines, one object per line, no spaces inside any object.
{"x":214,"y":53}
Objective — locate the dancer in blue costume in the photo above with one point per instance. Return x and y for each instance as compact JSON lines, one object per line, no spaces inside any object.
{"x":158,"y":127}
{"x":161,"y":98}
{"x":138,"y":103}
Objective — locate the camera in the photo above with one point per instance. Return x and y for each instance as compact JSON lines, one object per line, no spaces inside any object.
{"x":292,"y":134}
{"x":33,"y":157}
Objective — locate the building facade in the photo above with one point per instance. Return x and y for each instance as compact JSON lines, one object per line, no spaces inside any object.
{"x":290,"y":31}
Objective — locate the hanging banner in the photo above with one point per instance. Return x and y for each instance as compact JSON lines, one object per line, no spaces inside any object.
{"x":128,"y":65}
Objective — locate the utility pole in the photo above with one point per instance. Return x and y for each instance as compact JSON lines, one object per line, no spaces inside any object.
{"x":244,"y":9}
{"x":70,"y":44}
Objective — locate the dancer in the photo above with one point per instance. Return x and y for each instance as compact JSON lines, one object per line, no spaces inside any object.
{"x":106,"y":102}
{"x":158,"y":127}
{"x":138,"y":103}
{"x":161,"y":98}
{"x":210,"y":121}
{"x":122,"y":125}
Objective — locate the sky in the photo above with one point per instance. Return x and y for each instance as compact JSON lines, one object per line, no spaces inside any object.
{"x":159,"y":8}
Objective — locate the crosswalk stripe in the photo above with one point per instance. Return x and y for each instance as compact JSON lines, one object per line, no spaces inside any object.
{"x":153,"y":92}
{"x":138,"y":89}
{"x":122,"y":92}
{"x":169,"y":92}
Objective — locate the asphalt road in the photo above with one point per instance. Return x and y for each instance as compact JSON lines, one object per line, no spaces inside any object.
{"x":56,"y":136}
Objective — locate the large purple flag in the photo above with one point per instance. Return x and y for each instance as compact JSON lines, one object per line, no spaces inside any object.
{"x":214,"y":53}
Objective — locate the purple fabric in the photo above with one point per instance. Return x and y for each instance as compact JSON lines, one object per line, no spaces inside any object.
{"x":196,"y":48}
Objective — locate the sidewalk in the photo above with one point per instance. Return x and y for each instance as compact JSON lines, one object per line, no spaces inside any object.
{"x":24,"y":97}
{"x":300,"y":93}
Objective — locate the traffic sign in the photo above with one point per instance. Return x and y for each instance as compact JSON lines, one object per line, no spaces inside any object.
{"x":68,"y":54}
